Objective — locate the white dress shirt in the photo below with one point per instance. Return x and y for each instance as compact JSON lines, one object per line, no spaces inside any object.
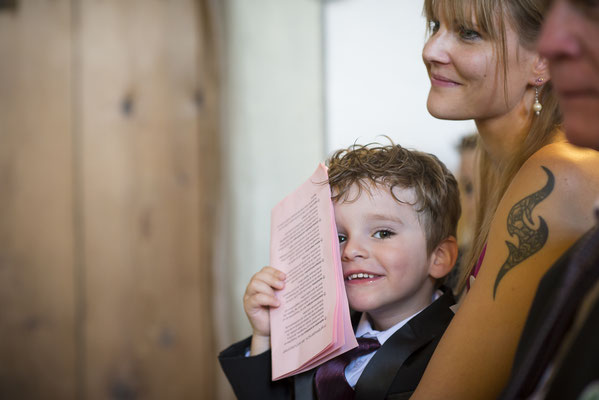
{"x":355,"y":368}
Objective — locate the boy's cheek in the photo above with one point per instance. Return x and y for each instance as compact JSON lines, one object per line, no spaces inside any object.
{"x":351,"y":298}
{"x":358,"y":301}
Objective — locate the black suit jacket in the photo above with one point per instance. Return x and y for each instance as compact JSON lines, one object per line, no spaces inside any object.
{"x":393,"y":372}
{"x":572,"y":361}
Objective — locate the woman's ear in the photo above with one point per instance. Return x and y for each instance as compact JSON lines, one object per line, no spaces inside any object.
{"x":540,"y":71}
{"x":443,"y":258}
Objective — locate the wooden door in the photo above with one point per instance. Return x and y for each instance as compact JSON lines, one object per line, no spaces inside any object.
{"x":108,"y":156}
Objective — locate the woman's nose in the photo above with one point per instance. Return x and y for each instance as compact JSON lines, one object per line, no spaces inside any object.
{"x":436,"y":48}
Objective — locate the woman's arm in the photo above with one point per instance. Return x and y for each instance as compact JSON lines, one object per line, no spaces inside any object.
{"x":474,"y":358}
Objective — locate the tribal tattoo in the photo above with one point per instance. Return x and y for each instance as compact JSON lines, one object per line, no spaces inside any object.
{"x":520,"y":224}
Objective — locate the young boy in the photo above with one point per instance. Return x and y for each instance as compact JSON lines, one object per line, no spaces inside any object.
{"x":396,"y":213}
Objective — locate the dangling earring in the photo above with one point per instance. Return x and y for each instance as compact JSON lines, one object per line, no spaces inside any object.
{"x":537,"y":107}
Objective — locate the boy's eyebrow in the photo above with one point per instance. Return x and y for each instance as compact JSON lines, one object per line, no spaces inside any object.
{"x":386,"y":217}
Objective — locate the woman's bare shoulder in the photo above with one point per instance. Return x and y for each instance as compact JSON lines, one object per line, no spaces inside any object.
{"x":573,"y":162}
{"x":546,"y":208}
{"x":573,"y":175}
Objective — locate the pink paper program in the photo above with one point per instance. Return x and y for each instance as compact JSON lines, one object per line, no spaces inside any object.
{"x":312,"y":324}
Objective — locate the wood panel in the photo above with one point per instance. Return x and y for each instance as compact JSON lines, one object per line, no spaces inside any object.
{"x":37,"y":260}
{"x":147,"y":288}
{"x":208,"y":99}
{"x":108,"y":187}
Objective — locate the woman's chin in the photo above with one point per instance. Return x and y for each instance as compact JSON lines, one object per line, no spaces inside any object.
{"x":439,"y":110}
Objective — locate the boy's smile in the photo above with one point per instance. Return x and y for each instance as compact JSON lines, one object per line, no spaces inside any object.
{"x":360,"y":277}
{"x":384,"y":254}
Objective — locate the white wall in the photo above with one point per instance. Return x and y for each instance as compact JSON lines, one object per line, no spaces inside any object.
{"x":274,"y":131}
{"x":376,"y":83}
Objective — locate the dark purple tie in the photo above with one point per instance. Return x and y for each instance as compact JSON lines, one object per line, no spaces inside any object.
{"x":330,"y":377}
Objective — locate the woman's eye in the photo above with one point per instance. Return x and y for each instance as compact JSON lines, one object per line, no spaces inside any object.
{"x":383,"y":234}
{"x":469,"y":34}
{"x":341,"y":238}
{"x":433,"y":26}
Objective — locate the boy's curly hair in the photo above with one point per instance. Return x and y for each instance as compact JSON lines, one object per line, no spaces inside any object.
{"x":436,"y":189}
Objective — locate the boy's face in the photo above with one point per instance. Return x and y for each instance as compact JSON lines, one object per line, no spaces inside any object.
{"x":384,"y":241}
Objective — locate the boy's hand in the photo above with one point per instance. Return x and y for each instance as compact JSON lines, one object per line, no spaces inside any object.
{"x":259,"y":297}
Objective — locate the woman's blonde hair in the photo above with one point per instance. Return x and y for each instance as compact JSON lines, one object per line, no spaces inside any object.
{"x":525,"y":17}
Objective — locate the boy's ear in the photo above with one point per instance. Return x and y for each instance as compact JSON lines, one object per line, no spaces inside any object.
{"x":443,"y":258}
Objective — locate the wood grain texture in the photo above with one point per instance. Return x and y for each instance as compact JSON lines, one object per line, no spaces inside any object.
{"x":37,"y":298}
{"x":147,"y":278}
{"x":109,"y":157}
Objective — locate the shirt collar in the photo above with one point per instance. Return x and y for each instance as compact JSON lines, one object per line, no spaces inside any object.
{"x":365,"y":329}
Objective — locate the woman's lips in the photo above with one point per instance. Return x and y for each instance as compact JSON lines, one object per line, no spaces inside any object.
{"x":440,"y":80}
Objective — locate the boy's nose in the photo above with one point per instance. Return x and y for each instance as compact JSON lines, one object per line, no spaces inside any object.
{"x":352,"y":250}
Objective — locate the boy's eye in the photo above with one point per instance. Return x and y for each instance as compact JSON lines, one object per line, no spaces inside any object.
{"x":383,"y":234}
{"x":433,"y":26}
{"x":468,"y":34}
{"x":341,"y":238}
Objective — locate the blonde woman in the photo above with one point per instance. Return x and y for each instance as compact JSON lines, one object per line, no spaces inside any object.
{"x":483,"y":65}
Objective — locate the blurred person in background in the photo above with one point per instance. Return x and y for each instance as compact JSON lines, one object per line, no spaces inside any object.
{"x":466,"y":177}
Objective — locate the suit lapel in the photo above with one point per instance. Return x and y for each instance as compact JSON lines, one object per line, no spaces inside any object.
{"x":384,"y":367}
{"x":304,"y":385}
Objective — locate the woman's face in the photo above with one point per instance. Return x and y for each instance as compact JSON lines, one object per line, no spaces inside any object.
{"x":570,"y":41}
{"x":467,"y":80}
